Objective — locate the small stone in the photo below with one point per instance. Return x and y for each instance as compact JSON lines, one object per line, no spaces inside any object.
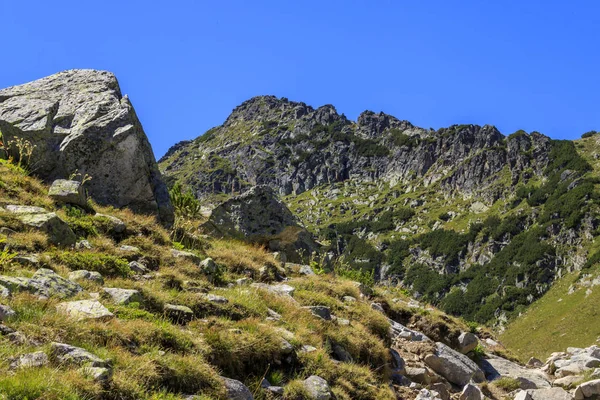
{"x":236,"y":390}
{"x":467,"y":342}
{"x":349,"y":299}
{"x":273,"y":314}
{"x":66,"y":354}
{"x":83,"y":245}
{"x":307,"y":349}
{"x":97,"y":374}
{"x":27,"y":260}
{"x":317,"y":388}
{"x":123,"y":296}
{"x":116,"y":225}
{"x":377,"y":307}
{"x":187,"y":255}
{"x":243,"y":281}
{"x":342,"y":322}
{"x":4,"y":292}
{"x":6,"y":313}
{"x":178,"y":314}
{"x":213,"y":298}
{"x":322,"y":312}
{"x":83,"y":274}
{"x":306,"y":270}
{"x":68,"y":192}
{"x":534,"y":363}
{"x":471,"y":392}
{"x":129,"y":249}
{"x":30,"y":360}
{"x":138,"y":268}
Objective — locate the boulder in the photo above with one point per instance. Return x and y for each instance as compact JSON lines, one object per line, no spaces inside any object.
{"x":317,"y":388}
{"x":83,"y":274}
{"x":454,"y":366}
{"x":236,"y":390}
{"x":259,"y":216}
{"x":84,"y":309}
{"x":64,"y":191}
{"x":467,"y":342}
{"x":419,"y":375}
{"x":497,"y":367}
{"x":79,"y":121}
{"x":123,"y":296}
{"x":322,"y":312}
{"x":58,"y":231}
{"x":554,"y":393}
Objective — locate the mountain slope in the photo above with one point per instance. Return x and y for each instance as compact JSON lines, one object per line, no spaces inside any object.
{"x":474,"y":221}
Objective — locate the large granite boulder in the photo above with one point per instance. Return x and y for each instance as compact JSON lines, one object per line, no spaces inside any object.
{"x":454,"y":366}
{"x":58,"y":231}
{"x":259,"y":216}
{"x":79,"y":121}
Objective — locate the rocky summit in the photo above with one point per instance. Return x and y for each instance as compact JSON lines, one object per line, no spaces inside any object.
{"x":78,"y":122}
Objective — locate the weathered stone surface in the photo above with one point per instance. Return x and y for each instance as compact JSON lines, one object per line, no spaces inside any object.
{"x":115,"y":224}
{"x":137,"y":267}
{"x":83,"y":274}
{"x":6,"y":313}
{"x":236,"y":390}
{"x":259,"y":216}
{"x":322,"y":312}
{"x":454,"y":366}
{"x":544,"y":394}
{"x":58,"y":231}
{"x":471,"y":392}
{"x":4,"y":292}
{"x":467,"y":342}
{"x":97,"y":374}
{"x":399,"y":331}
{"x":30,"y":360}
{"x":178,"y":313}
{"x":496,"y":367}
{"x":44,"y":282}
{"x":79,"y":121}
{"x":123,"y":296}
{"x":68,"y":192}
{"x":84,"y":309}
{"x":187,"y":255}
{"x":66,"y":354}
{"x":317,"y":388}
{"x":417,"y":374}
{"x":588,"y":390}
{"x":282,"y":290}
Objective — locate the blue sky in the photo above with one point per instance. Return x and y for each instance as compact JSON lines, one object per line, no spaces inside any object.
{"x":530,"y":65}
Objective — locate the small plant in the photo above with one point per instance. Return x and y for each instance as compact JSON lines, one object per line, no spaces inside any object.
{"x":76,"y":175}
{"x":25,"y":149}
{"x":479,"y":352}
{"x":508,"y":384}
{"x":6,"y":255}
{"x":185,"y":203}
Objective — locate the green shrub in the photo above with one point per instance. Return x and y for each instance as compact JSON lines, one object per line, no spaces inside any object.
{"x":589,"y":134}
{"x":185,"y":203}
{"x":105,"y":264}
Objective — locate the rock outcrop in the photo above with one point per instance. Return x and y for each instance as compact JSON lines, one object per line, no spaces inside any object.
{"x":78,"y":122}
{"x":259,"y":216}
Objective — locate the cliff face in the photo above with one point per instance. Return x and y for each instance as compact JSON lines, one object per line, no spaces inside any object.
{"x":79,"y":122}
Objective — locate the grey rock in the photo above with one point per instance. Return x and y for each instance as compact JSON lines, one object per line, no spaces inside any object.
{"x":84,"y":309}
{"x":544,"y":394}
{"x":273,"y":314}
{"x":44,"y":282}
{"x":399,"y":331}
{"x":306,"y":270}
{"x":6,"y":313}
{"x":4,"y":292}
{"x":129,"y":249}
{"x":30,"y":360}
{"x":123,"y":296}
{"x":496,"y":367}
{"x":178,"y":313}
{"x":116,"y":225}
{"x":467,"y":342}
{"x":307,"y":349}
{"x":322,"y":312}
{"x":187,"y":255}
{"x":471,"y":392}
{"x":97,"y":374}
{"x":454,"y":366}
{"x":534,"y":363}
{"x":588,"y":390}
{"x":280,"y":289}
{"x":66,"y":354}
{"x":236,"y":390}
{"x":83,"y":245}
{"x":349,"y":299}
{"x":398,"y":363}
{"x":68,"y":192}
{"x":138,"y":268}
{"x":317,"y":388}
{"x":213,"y":298}
{"x":31,"y":260}
{"x":79,"y":121}
{"x":58,"y":231}
{"x":82,"y":274}
{"x":417,"y":374}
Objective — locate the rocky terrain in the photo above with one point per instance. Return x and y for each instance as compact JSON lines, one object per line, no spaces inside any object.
{"x":478,"y":223}
{"x":136,"y":293}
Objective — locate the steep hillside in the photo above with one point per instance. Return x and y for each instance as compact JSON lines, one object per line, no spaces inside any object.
{"x":476,"y":222}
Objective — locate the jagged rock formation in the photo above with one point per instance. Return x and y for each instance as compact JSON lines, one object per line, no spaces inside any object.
{"x":78,"y":121}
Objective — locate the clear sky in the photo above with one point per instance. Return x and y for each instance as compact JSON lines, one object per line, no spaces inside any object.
{"x":530,"y":65}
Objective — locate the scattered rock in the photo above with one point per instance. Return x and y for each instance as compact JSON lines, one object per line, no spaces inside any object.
{"x":454,"y":366}
{"x":116,"y":225}
{"x":534,"y":363}
{"x":544,"y":394}
{"x":83,"y":245}
{"x":44,"y":282}
{"x":419,"y":375}
{"x":27,"y":260}
{"x":84,"y":309}
{"x":588,"y":390}
{"x":213,"y":298}
{"x":138,"y":268}
{"x":4,"y":292}
{"x":317,"y":388}
{"x":82,"y":274}
{"x":123,"y":296}
{"x":68,"y":192}
{"x":58,"y":231}
{"x":97,"y":374}
{"x":236,"y":390}
{"x":66,"y":354}
{"x":471,"y":392}
{"x":6,"y":313}
{"x":349,"y":299}
{"x":496,"y":367}
{"x":322,"y":312}
{"x":187,"y":255}
{"x":30,"y":360}
{"x":178,"y":314}
{"x":467,"y":342}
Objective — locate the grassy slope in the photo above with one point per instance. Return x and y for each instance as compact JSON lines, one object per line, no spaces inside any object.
{"x":155,"y":358}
